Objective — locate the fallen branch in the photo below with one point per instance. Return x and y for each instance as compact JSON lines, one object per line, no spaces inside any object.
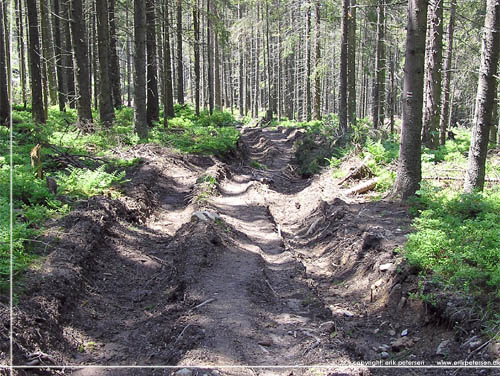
{"x":363,"y":187}
{"x":356,"y":171}
{"x":182,"y":332}
{"x":204,"y":303}
{"x":271,"y":287}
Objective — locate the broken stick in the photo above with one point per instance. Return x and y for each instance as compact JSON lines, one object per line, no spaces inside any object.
{"x":363,"y":187}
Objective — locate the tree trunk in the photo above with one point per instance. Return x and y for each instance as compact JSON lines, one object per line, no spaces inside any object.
{"x":409,"y":172}
{"x":196,"y":27}
{"x":445,"y":99}
{"x":153,"y":109}
{"x":106,"y":109}
{"x":140,"y":116}
{"x":240,"y":65}
{"x":474,"y":176}
{"x":307,"y":80}
{"x":38,"y":113}
{"x":114,"y":62}
{"x":379,"y":84}
{"x":180,"y":69}
{"x":48,"y":51}
{"x":69,"y":69}
{"x":351,"y":65}
{"x":167,"y":62}
{"x":58,"y":54}
{"x":434,"y":62}
{"x":343,"y":67}
{"x":4,"y":91}
{"x":82,"y":62}
{"x":210,"y":68}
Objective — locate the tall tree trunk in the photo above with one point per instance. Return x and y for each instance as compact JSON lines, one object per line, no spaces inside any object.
{"x":48,"y":51}
{"x":474,"y":177}
{"x":69,"y":69}
{"x":129,"y":56}
{"x":379,"y":84}
{"x":307,"y":80}
{"x":210,"y":68}
{"x":167,"y":62}
{"x":445,"y":96}
{"x":58,"y":54}
{"x":4,"y":90}
{"x":140,"y":116}
{"x":106,"y":109}
{"x":343,"y":67}
{"x":82,"y":63}
{"x":434,"y":62}
{"x":240,"y":65}
{"x":38,"y":112}
{"x":409,"y":172}
{"x":196,"y":27}
{"x":351,"y":64}
{"x":20,"y":46}
{"x":180,"y":69}
{"x":114,"y":62}
{"x":317,"y":57}
{"x":153,"y":109}
{"x":269,"y":112}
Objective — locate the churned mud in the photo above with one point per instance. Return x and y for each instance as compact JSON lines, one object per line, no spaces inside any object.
{"x":215,"y":267}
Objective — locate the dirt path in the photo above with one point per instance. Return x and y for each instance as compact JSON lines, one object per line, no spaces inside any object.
{"x":290,"y":273}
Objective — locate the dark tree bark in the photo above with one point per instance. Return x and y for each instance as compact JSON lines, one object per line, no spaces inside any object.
{"x":445,"y":99}
{"x":20,"y":46}
{"x":48,"y":51}
{"x":152,"y":102}
{"x":168,"y":104}
{"x":210,"y":68}
{"x":196,"y":29}
{"x":307,"y":81}
{"x":82,"y":62}
{"x":140,"y":116}
{"x":240,"y":66}
{"x":343,"y":67}
{"x":409,"y":172}
{"x":486,"y":91}
{"x":114,"y":62}
{"x":4,"y":90}
{"x":434,"y":62}
{"x":180,"y":68}
{"x":38,"y":113}
{"x":69,"y":70}
{"x":58,"y":54}
{"x":378,"y":113}
{"x":106,"y":109}
{"x":351,"y":65}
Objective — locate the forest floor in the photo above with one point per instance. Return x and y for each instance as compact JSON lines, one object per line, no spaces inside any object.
{"x":206,"y":263}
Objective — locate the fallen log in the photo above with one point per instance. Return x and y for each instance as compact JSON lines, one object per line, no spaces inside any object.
{"x":363,"y":187}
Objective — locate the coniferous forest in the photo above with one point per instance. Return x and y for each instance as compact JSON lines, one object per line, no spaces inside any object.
{"x":250,"y":183}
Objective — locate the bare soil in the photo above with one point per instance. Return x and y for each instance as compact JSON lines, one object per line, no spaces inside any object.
{"x":291,"y":273}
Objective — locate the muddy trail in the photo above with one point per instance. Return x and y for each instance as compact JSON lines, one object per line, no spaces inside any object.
{"x":204,"y":264}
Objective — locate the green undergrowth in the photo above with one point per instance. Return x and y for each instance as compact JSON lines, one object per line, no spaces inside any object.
{"x":83,"y":165}
{"x":456,"y":240}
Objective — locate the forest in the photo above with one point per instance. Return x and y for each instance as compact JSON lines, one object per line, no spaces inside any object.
{"x":219,"y":187}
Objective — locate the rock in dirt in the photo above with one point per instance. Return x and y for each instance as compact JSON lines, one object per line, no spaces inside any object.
{"x":383,"y":348}
{"x":206,"y":215}
{"x":184,"y":372}
{"x":387,"y":267}
{"x":404,"y":333}
{"x":494,"y":350}
{"x":384,"y":354}
{"x":443,"y":348}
